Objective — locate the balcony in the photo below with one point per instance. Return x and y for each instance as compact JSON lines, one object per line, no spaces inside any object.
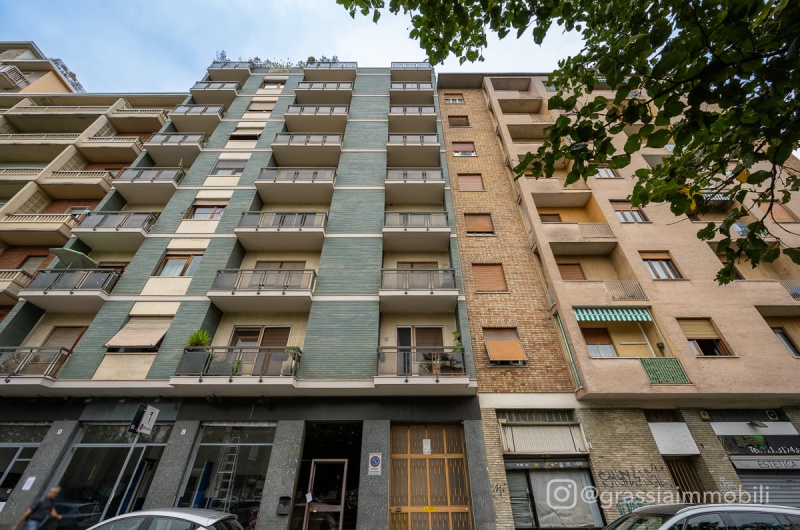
{"x":412,"y":118}
{"x":11,"y":282}
{"x":301,"y":149}
{"x":215,"y":93}
{"x":200,"y":118}
{"x":238,"y":71}
{"x":127,"y":120}
{"x":169,"y":149}
{"x":528,"y":128}
{"x":115,"y":231}
{"x":263,"y":290}
{"x":54,"y":119}
{"x":518,"y":101}
{"x":316,"y":118}
{"x":411,"y":231}
{"x":269,"y":364}
{"x":552,"y":192}
{"x":652,"y":380}
{"x":282,"y":230}
{"x":70,"y":290}
{"x":296,"y":185}
{"x":411,"y":71}
{"x":664,"y":371}
{"x":439,"y":368}
{"x":411,"y":93}
{"x":418,"y":291}
{"x":324,"y":93}
{"x":19,"y":175}
{"x":52,"y":230}
{"x":77,"y":184}
{"x":414,"y":186}
{"x":572,"y":239}
{"x":111,"y":149}
{"x":420,"y":150}
{"x":600,"y":292}
{"x":32,"y":362}
{"x":329,"y":71}
{"x":33,"y":147}
{"x":12,"y":78}
{"x":152,"y":185}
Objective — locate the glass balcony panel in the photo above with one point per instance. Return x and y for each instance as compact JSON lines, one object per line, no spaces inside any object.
{"x":250,"y":219}
{"x":438,"y":220}
{"x":414,"y":174}
{"x":316,"y":139}
{"x":304,"y":175}
{"x":283,"y":138}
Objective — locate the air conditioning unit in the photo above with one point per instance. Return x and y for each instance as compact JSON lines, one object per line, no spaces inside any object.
{"x":772,"y":415}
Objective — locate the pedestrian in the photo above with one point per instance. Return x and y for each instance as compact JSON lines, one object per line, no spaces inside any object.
{"x":40,"y":511}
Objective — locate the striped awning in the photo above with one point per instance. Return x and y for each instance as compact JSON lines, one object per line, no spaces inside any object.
{"x":717,"y":197}
{"x":612,"y":314}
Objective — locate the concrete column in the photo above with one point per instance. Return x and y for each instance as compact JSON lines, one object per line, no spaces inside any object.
{"x":373,"y":498}
{"x":172,"y":465}
{"x":284,"y":465}
{"x":41,"y":467}
{"x":479,"y":485}
{"x":504,"y":517}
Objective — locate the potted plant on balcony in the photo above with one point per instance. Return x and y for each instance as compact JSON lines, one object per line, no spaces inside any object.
{"x":198,"y":341}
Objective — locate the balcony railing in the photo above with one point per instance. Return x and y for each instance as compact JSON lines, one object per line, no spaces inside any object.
{"x":599,"y":230}
{"x":236,"y":361}
{"x":72,"y":175}
{"x":411,"y":86}
{"x":16,"y":276}
{"x":34,"y":137}
{"x":418,"y":279}
{"x":115,"y":140}
{"x":413,"y":139}
{"x":793,"y":287}
{"x":625,"y":290}
{"x":55,"y":109}
{"x":411,"y":66}
{"x":190,"y":110}
{"x":278,"y":220}
{"x":412,"y":110}
{"x":216,"y":85}
{"x":177,"y":139}
{"x":19,"y":171}
{"x":231,"y":65}
{"x":73,"y":280}
{"x":238,"y":280}
{"x":298,"y":174}
{"x":317,"y":110}
{"x":32,"y":362}
{"x":419,"y":361}
{"x":141,"y":112}
{"x":305,"y":85}
{"x":119,"y":220}
{"x":415,"y":220}
{"x":331,"y":66}
{"x":414,"y":175}
{"x":42,"y":218}
{"x":664,"y":371}
{"x":153,"y":174}
{"x":308,"y":139}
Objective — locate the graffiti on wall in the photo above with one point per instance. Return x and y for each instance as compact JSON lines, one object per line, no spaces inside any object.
{"x":654,"y":476}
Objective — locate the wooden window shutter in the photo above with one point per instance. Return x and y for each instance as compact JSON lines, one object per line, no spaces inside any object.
{"x":571,"y":271}
{"x":275,"y":336}
{"x":623,"y":206}
{"x":458,"y":121}
{"x":489,"y":277}
{"x":654,"y":255}
{"x":780,"y":212}
{"x":470,"y":182}
{"x":428,"y":336}
{"x":64,"y":337}
{"x":479,"y":223}
{"x":503,"y":345}
{"x":698,"y":328}
{"x":596,"y":335}
{"x":460,"y":147}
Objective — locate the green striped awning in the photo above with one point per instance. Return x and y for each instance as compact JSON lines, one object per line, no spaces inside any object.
{"x":612,"y":314}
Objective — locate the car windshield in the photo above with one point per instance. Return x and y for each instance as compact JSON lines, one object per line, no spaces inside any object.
{"x":633,"y":521}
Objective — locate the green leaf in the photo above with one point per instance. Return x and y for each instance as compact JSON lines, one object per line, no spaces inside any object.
{"x":658,"y":138}
{"x":633,"y":144}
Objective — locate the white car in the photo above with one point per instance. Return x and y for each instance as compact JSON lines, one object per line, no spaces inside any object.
{"x":171,"y":519}
{"x":709,"y":517}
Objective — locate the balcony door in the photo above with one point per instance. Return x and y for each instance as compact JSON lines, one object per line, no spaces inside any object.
{"x":419,"y":276}
{"x":280,"y":275}
{"x":266,"y":356}
{"x":416,"y":346}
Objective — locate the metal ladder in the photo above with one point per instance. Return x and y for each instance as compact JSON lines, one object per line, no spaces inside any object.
{"x":223,"y":481}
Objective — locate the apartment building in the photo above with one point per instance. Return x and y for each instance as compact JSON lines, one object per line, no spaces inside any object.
{"x":607,"y":355}
{"x":270,"y":262}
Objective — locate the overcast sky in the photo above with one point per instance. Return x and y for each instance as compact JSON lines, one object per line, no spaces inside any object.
{"x":166,"y":45}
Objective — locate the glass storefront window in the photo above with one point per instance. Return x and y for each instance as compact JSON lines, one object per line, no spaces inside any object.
{"x":18,"y":444}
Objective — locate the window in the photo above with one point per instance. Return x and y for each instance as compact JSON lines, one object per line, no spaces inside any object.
{"x":202,"y":211}
{"x":756,"y":521}
{"x":272,"y":84}
{"x":550,"y":88}
{"x":458,"y":121}
{"x":660,"y":266}
{"x":599,"y":343}
{"x":550,"y":217}
{"x":489,"y":278}
{"x":503,"y":346}
{"x":703,"y":337}
{"x":708,"y":521}
{"x":470,"y":182}
{"x":780,"y":213}
{"x":248,"y":131}
{"x":627,"y":213}
{"x":454,"y":98}
{"x":179,"y":265}
{"x":32,"y":264}
{"x":139,"y":334}
{"x":605,"y":172}
{"x":261,"y":106}
{"x":571,"y":271}
{"x":64,"y":337}
{"x":737,"y":275}
{"x":228,"y":167}
{"x":533,"y":504}
{"x":464,"y":149}
{"x":478,"y":223}
{"x":784,"y":339}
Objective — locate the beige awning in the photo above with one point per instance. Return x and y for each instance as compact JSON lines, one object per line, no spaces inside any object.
{"x":140,"y":332}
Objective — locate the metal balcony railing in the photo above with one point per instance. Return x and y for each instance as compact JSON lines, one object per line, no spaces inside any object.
{"x":73,"y":280}
{"x":411,"y":66}
{"x":141,"y":112}
{"x":664,"y":371}
{"x":412,"y":110}
{"x":13,"y":171}
{"x":415,"y":220}
{"x":411,"y":86}
{"x":41,"y":218}
{"x":197,"y":110}
{"x":308,"y":139}
{"x":240,"y":361}
{"x":541,"y":118}
{"x":16,"y":276}
{"x":317,"y":110}
{"x":306,"y":85}
{"x":418,"y":279}
{"x":625,"y":290}
{"x":421,"y":361}
{"x":414,"y":139}
{"x":119,"y":220}
{"x":32,"y":362}
{"x":216,"y":85}
{"x":178,"y":139}
{"x":265,"y":280}
{"x":34,"y":137}
{"x":72,"y":175}
{"x":278,"y":220}
{"x":115,"y":140}
{"x":152,"y":174}
{"x":331,"y":65}
{"x":793,"y":287}
{"x":592,"y":230}
{"x":414,"y":175}
{"x":297,"y":174}
{"x":232,"y":65}
{"x":55,"y":109}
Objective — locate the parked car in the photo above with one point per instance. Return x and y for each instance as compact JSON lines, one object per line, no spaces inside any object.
{"x":709,"y":517}
{"x":171,"y":519}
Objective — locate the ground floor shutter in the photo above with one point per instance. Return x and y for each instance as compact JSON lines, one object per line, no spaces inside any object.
{"x":774,"y":487}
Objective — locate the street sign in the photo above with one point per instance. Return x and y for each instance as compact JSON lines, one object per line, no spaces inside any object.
{"x":144,"y":420}
{"x":375,"y":463}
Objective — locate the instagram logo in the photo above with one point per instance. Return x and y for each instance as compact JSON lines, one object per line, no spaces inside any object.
{"x":562,"y":494}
